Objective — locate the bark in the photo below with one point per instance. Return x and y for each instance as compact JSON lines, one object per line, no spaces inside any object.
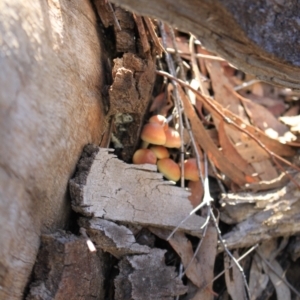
{"x":135,"y":197}
{"x":259,"y":37}
{"x":66,"y":269}
{"x":50,"y":107}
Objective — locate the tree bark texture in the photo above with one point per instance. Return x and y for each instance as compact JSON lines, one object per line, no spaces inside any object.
{"x":259,"y":37}
{"x":50,"y":107}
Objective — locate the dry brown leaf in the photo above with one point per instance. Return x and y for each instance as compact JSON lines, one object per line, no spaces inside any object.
{"x":158,"y":103}
{"x":232,"y":154}
{"x":292,"y":111}
{"x":262,"y":118}
{"x":275,"y":106}
{"x":248,"y":148}
{"x":234,"y":280}
{"x":229,"y":100}
{"x":206,"y":259}
{"x":222,"y":94}
{"x":258,"y":280}
{"x":258,"y":89}
{"x":184,"y":249}
{"x":214,"y":108}
{"x":201,"y":61}
{"x":269,"y":250}
{"x":265,"y":170}
{"x":197,"y":191}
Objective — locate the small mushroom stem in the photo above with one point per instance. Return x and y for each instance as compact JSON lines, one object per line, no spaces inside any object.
{"x":144,"y":145}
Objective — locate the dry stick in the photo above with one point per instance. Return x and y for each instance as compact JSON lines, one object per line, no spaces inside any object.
{"x":208,"y":200}
{"x":231,"y":256}
{"x":278,"y":275}
{"x":198,"y":55}
{"x":142,"y":33}
{"x":188,"y":127}
{"x":178,"y":103}
{"x":153,"y":35}
{"x":203,"y":90}
{"x":246,"y":84}
{"x":199,"y":244}
{"x":177,"y":56}
{"x":221,"y":186}
{"x":231,"y":122}
{"x":196,"y":71}
{"x":205,"y":225}
{"x":114,"y":16}
{"x":231,"y":265}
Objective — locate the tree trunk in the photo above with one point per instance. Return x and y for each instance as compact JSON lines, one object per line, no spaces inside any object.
{"x":50,"y":107}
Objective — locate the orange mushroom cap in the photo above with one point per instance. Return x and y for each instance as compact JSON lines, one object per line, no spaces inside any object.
{"x":172,"y":138}
{"x":191,"y":169}
{"x":169,"y":168}
{"x":160,"y":151}
{"x":144,"y":156}
{"x":159,"y":119}
{"x":153,"y":133}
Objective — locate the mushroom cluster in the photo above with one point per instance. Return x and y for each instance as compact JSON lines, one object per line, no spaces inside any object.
{"x":157,"y":137}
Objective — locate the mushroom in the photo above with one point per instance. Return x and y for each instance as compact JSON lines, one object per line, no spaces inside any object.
{"x":169,"y":168}
{"x":159,"y":119}
{"x":172,"y":138}
{"x":191,"y":170}
{"x":144,"y":156}
{"x":160,"y":151}
{"x":153,"y":133}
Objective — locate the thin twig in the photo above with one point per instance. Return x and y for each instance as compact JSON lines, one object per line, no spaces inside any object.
{"x":231,"y":256}
{"x":178,"y":103}
{"x":278,"y":275}
{"x":180,"y":276}
{"x":160,"y":49}
{"x":246,"y":84}
{"x":177,"y":56}
{"x":187,"y":123}
{"x":142,"y":33}
{"x":231,"y":265}
{"x":196,"y":71}
{"x":114,"y":16}
{"x":198,"y":246}
{"x":198,"y":55}
{"x":221,"y":186}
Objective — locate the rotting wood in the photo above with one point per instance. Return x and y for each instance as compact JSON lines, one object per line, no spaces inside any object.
{"x":256,"y":44}
{"x":66,"y":269}
{"x":108,"y":188}
{"x":276,"y":216}
{"x":147,"y":277}
{"x":132,"y":78}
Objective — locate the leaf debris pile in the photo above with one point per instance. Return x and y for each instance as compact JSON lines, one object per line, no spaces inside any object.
{"x":247,"y":132}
